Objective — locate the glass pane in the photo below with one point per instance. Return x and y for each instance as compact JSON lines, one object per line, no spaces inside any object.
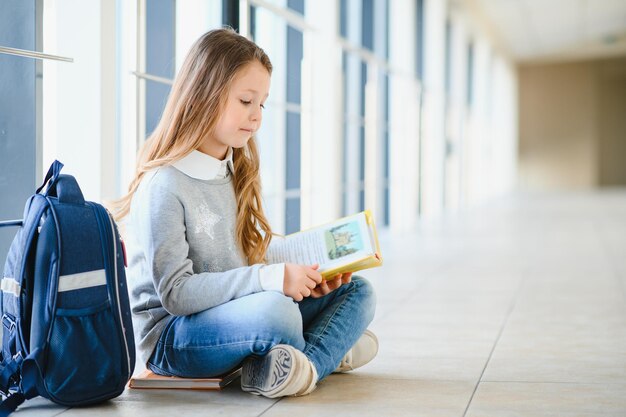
{"x":18,"y":116}
{"x":296,"y":6}
{"x":354,"y":77}
{"x":367,"y":25}
{"x":280,"y":135}
{"x":193,"y":19}
{"x":160,"y":50}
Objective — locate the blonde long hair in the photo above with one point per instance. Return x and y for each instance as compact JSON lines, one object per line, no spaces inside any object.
{"x":192,"y":111}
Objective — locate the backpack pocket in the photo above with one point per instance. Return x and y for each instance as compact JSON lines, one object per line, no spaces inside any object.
{"x":8,"y":335}
{"x":85,"y":363}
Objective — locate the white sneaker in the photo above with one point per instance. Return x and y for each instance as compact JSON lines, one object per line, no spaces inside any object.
{"x":282,"y":372}
{"x":363,"y":351}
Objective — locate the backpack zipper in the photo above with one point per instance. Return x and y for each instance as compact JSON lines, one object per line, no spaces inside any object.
{"x":102,"y":213}
{"x":117,"y":290}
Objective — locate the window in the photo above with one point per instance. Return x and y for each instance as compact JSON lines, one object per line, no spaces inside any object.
{"x":20,"y":123}
{"x":365,"y":176}
{"x":419,"y":32}
{"x":160,"y":58}
{"x":470,"y":75}
{"x":280,"y":33}
{"x":293,"y":128}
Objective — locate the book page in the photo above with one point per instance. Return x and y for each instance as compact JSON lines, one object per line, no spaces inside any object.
{"x":331,"y":245}
{"x":304,"y":248}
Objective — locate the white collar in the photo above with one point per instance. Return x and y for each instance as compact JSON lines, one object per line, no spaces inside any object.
{"x":205,"y":167}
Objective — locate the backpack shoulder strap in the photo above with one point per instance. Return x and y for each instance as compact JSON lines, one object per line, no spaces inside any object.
{"x":11,"y":403}
{"x":31,"y":384}
{"x":9,"y":370}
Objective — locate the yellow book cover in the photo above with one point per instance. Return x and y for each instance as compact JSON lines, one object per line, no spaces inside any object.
{"x":349,"y":244}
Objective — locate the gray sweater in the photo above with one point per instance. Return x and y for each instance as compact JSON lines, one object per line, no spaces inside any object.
{"x":183,"y":256}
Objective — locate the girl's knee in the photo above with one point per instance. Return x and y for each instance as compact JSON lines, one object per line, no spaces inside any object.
{"x":367,"y":296}
{"x":363,"y":287}
{"x":280,"y":317}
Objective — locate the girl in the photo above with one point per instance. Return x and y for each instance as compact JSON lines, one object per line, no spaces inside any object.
{"x":202,"y":298}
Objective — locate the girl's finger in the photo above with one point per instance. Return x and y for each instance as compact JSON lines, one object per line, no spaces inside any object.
{"x":335,"y":283}
{"x":317,"y":293}
{"x":314,"y":275}
{"x":311,"y":284}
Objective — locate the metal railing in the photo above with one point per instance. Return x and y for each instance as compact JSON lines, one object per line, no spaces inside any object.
{"x":33,"y":54}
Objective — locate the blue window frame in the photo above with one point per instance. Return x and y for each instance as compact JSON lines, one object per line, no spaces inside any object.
{"x":343,"y":18}
{"x":253,"y":22}
{"x":344,"y":125}
{"x":386,"y":155}
{"x":367,"y":25}
{"x":160,"y":56}
{"x":419,"y":27}
{"x":448,"y":59}
{"x":296,"y":6}
{"x":419,"y":73}
{"x":20,"y":106}
{"x":230,"y":13}
{"x":362,"y":138}
{"x":385,"y":95}
{"x":293,"y":122}
{"x":470,"y":74}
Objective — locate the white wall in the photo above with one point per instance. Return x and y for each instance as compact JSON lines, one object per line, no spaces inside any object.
{"x":79,"y":98}
{"x":321,"y":161}
{"x":404,"y":117}
{"x":485,"y":132}
{"x":571,"y":124}
{"x":433,"y":144}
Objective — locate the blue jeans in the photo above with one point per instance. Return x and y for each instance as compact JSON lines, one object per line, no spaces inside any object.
{"x":213,"y":341}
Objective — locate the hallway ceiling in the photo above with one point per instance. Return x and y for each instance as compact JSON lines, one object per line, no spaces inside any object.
{"x":539,"y":30}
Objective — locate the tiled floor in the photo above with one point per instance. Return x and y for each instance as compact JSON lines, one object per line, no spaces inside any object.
{"x":514,"y":309}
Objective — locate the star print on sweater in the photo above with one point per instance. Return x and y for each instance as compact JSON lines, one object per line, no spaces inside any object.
{"x":206,"y":220}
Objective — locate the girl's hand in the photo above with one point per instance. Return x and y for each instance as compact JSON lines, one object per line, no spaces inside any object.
{"x":330,"y":285}
{"x":300,"y":280}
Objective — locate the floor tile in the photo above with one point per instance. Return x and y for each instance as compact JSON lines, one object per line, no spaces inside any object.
{"x":564,"y":328}
{"x":161,"y":403}
{"x":567,"y":369}
{"x":363,"y":395}
{"x":409,"y":365}
{"x":547,"y":400}
{"x":580,"y":348}
{"x":39,"y":407}
{"x":475,"y":279}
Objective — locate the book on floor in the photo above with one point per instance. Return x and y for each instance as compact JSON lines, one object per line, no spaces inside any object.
{"x":346,"y":245}
{"x":149,"y":379}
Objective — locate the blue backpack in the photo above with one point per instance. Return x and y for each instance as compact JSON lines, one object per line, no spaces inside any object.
{"x":67,"y":333}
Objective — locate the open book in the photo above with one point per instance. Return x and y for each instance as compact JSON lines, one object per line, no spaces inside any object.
{"x":345,"y":245}
{"x":149,"y":379}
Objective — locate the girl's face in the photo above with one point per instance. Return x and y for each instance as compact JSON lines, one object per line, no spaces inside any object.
{"x":242,"y":113}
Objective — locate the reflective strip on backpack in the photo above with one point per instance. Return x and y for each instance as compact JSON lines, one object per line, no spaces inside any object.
{"x":11,"y":286}
{"x":82,"y":280}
